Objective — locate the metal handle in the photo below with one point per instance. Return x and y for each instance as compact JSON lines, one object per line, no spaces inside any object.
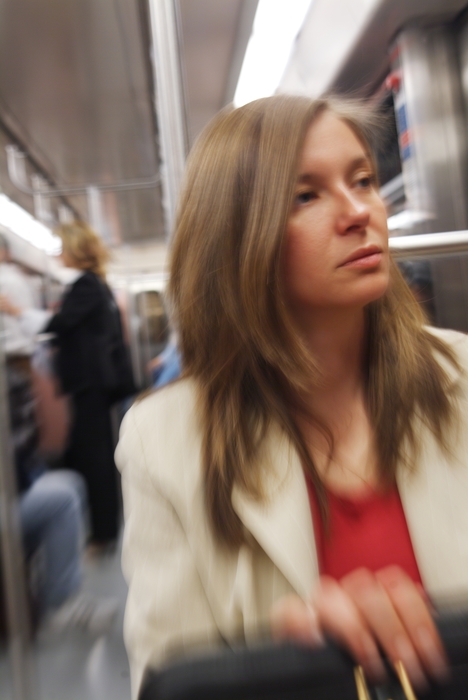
{"x":363,"y":691}
{"x":361,"y":685}
{"x":400,"y":670}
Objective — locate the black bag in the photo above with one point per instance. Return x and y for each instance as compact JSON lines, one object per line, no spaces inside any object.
{"x":295,"y":672}
{"x":120,"y":381}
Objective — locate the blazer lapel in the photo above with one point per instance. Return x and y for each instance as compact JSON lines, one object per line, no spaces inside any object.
{"x":434,"y":497}
{"x":434,"y":500}
{"x":282,"y":523}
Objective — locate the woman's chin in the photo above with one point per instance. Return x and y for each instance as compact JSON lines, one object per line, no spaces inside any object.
{"x":374,"y":288}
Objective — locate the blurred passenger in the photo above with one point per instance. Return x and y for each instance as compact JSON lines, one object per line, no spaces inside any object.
{"x":166,"y":367}
{"x":51,"y":512}
{"x":81,"y":328}
{"x":52,"y":406}
{"x":21,"y":320}
{"x":17,"y":292}
{"x":51,"y":504}
{"x":93,"y":368}
{"x":310,"y":469}
{"x":18,"y":344}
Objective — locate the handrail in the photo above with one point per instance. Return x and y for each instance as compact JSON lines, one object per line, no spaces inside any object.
{"x":17,"y":175}
{"x":427,"y":245}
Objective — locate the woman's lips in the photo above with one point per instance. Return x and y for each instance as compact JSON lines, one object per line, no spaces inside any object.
{"x":366,"y":262}
{"x":365,"y":258}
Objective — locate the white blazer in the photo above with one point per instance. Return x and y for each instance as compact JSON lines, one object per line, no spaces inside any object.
{"x":185,"y":589}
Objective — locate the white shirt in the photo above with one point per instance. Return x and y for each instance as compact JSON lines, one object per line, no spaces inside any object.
{"x":17,"y":332}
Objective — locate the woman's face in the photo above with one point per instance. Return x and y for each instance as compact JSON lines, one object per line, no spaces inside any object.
{"x":336,"y":250}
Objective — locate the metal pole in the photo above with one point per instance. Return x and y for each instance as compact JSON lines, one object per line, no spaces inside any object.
{"x":426,"y":245}
{"x":169,"y":102}
{"x":14,"y":579}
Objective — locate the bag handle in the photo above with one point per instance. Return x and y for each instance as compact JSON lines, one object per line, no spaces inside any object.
{"x":400,"y":670}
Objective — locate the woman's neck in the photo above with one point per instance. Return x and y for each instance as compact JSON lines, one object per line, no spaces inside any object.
{"x":338,"y":343}
{"x":337,"y":340}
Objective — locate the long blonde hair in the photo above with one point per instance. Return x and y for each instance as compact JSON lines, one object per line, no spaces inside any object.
{"x":84,"y":247}
{"x":237,"y":339}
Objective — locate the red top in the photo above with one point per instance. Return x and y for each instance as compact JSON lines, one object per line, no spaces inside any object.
{"x":369,"y":531}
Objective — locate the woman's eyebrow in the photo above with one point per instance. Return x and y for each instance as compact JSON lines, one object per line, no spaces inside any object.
{"x":307,"y":178}
{"x":360,"y":161}
{"x":354,"y":164}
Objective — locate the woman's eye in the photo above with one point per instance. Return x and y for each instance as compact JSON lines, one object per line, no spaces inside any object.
{"x":305,"y":197}
{"x":366,"y":181}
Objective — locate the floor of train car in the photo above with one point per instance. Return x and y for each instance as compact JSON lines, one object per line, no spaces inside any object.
{"x":77,"y":667}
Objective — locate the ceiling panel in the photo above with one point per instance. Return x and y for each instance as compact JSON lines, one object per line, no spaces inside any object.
{"x":214,"y":35}
{"x":76,"y":93}
{"x":75,"y":90}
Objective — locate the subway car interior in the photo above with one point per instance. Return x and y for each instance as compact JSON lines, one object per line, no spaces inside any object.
{"x":100,"y":104}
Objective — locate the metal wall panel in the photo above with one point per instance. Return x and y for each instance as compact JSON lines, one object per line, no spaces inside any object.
{"x":343,"y":45}
{"x":433,"y":143}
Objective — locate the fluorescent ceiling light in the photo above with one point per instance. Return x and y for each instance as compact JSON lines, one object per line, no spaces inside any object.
{"x":20,"y":222}
{"x":276,"y":26}
{"x":328,"y":37}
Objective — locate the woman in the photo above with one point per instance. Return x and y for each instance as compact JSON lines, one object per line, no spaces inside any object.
{"x":314,"y":399}
{"x":82,"y":337}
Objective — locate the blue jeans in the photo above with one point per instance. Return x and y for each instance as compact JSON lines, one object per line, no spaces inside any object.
{"x":51,"y":515}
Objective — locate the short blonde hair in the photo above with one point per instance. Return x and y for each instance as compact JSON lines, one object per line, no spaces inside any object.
{"x":84,"y":247}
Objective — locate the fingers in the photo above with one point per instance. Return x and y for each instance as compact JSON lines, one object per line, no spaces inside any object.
{"x":292,"y":618}
{"x":397,"y":616}
{"x":383,"y":621}
{"x":414,"y":612}
{"x":341,"y":620}
{"x":366,"y":613}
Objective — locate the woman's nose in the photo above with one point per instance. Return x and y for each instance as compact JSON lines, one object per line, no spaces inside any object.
{"x":354,"y":214}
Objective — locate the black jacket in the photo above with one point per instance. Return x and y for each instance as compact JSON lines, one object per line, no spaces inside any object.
{"x":81,"y":328}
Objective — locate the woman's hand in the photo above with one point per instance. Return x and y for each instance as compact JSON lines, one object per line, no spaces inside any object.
{"x":365,"y":611}
{"x":7,"y":307}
